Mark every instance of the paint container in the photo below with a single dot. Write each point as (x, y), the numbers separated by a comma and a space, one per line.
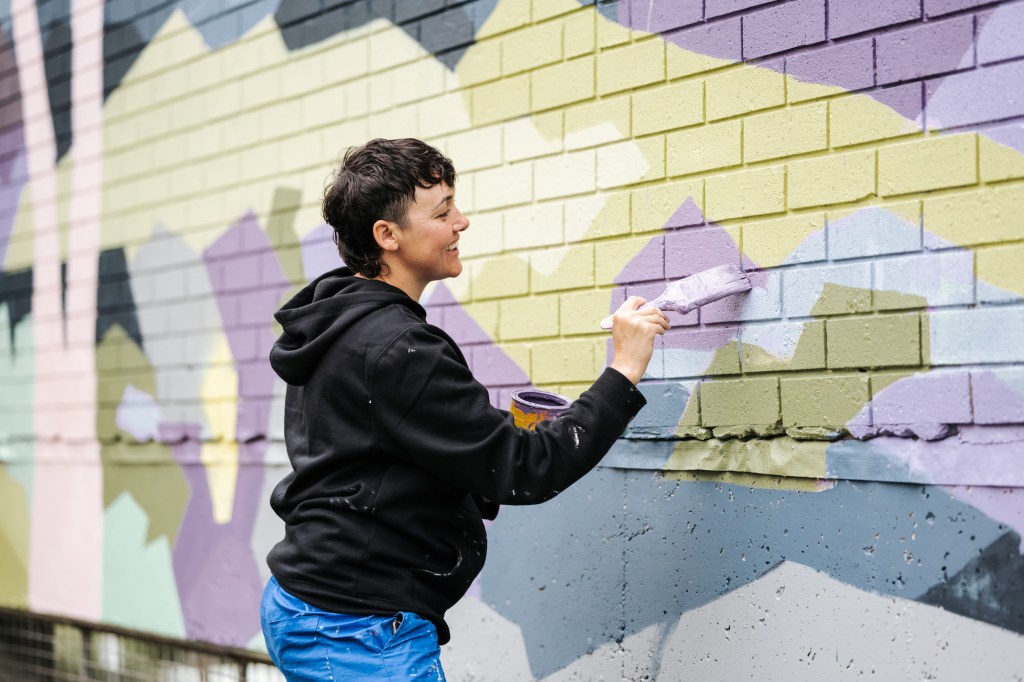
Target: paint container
(531, 406)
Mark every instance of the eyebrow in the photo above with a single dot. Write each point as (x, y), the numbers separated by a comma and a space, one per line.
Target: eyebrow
(442, 202)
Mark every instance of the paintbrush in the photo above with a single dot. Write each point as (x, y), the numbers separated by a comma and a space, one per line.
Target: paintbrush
(690, 293)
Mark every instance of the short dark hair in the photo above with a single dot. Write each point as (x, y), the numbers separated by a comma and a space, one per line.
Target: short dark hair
(378, 181)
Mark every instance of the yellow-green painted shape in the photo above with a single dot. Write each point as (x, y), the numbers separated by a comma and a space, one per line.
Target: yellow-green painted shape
(783, 456)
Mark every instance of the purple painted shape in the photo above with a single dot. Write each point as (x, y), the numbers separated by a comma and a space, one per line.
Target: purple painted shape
(1002, 35)
(319, 253)
(906, 100)
(691, 251)
(715, 8)
(13, 176)
(783, 27)
(846, 17)
(647, 265)
(848, 65)
(979, 96)
(656, 16)
(688, 214)
(458, 324)
(995, 400)
(720, 39)
(493, 368)
(704, 339)
(933, 48)
(216, 572)
(1011, 136)
(1004, 505)
(928, 398)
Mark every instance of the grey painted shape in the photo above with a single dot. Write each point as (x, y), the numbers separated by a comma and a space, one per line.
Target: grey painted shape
(55, 34)
(972, 591)
(224, 22)
(613, 566)
(16, 292)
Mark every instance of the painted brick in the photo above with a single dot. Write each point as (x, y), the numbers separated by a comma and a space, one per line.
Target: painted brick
(694, 250)
(980, 335)
(745, 193)
(999, 270)
(782, 346)
(924, 280)
(581, 311)
(934, 397)
(833, 179)
(658, 17)
(532, 226)
(827, 290)
(704, 48)
(563, 360)
(503, 186)
(504, 99)
(793, 239)
(976, 96)
(829, 402)
(926, 50)
(597, 216)
(710, 351)
(674, 106)
(596, 123)
(530, 48)
(856, 119)
(545, 9)
(638, 259)
(740, 402)
(997, 395)
(580, 34)
(704, 148)
(984, 216)
(783, 27)
(847, 17)
(674, 204)
(500, 277)
(743, 90)
(830, 69)
(934, 8)
(500, 366)
(999, 35)
(998, 155)
(666, 405)
(631, 66)
(878, 341)
(509, 18)
(560, 269)
(486, 66)
(762, 302)
(787, 132)
(475, 149)
(874, 231)
(524, 139)
(561, 84)
(716, 8)
(609, 32)
(566, 174)
(935, 162)
(627, 163)
(528, 318)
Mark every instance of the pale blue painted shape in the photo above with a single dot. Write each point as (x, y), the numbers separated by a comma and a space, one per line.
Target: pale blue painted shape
(871, 232)
(979, 335)
(803, 286)
(139, 588)
(943, 278)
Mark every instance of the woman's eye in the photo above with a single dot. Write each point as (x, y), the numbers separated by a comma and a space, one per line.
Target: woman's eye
(444, 215)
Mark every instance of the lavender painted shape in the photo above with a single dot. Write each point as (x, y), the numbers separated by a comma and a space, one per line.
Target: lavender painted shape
(926, 50)
(319, 254)
(847, 17)
(783, 27)
(924, 405)
(656, 16)
(850, 66)
(998, 395)
(13, 176)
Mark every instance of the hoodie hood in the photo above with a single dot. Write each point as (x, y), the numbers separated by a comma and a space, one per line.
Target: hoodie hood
(316, 316)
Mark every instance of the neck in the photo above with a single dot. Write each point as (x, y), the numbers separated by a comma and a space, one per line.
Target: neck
(413, 290)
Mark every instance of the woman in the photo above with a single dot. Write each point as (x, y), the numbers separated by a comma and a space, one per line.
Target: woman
(397, 454)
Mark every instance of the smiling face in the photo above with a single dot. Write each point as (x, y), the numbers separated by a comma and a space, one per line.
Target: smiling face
(425, 247)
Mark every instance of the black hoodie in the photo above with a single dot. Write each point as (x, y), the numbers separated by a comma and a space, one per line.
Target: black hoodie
(395, 447)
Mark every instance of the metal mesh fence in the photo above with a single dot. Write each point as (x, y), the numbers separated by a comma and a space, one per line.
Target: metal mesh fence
(40, 648)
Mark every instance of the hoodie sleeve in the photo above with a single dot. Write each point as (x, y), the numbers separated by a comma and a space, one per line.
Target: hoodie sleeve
(428, 409)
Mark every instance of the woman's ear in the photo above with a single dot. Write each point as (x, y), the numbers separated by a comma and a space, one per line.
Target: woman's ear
(384, 235)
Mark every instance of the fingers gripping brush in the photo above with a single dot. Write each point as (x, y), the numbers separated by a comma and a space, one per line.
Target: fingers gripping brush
(690, 293)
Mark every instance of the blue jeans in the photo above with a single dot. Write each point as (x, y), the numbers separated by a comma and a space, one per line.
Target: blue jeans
(309, 645)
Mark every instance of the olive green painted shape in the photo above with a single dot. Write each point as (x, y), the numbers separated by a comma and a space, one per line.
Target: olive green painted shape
(281, 233)
(147, 471)
(740, 402)
(726, 360)
(781, 456)
(824, 401)
(139, 589)
(837, 299)
(876, 341)
(884, 299)
(809, 353)
(14, 540)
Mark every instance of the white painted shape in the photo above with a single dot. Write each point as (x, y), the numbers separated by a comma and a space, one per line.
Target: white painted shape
(682, 363)
(591, 136)
(872, 231)
(484, 645)
(138, 414)
(779, 339)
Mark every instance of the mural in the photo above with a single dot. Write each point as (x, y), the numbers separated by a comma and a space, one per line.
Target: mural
(827, 475)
